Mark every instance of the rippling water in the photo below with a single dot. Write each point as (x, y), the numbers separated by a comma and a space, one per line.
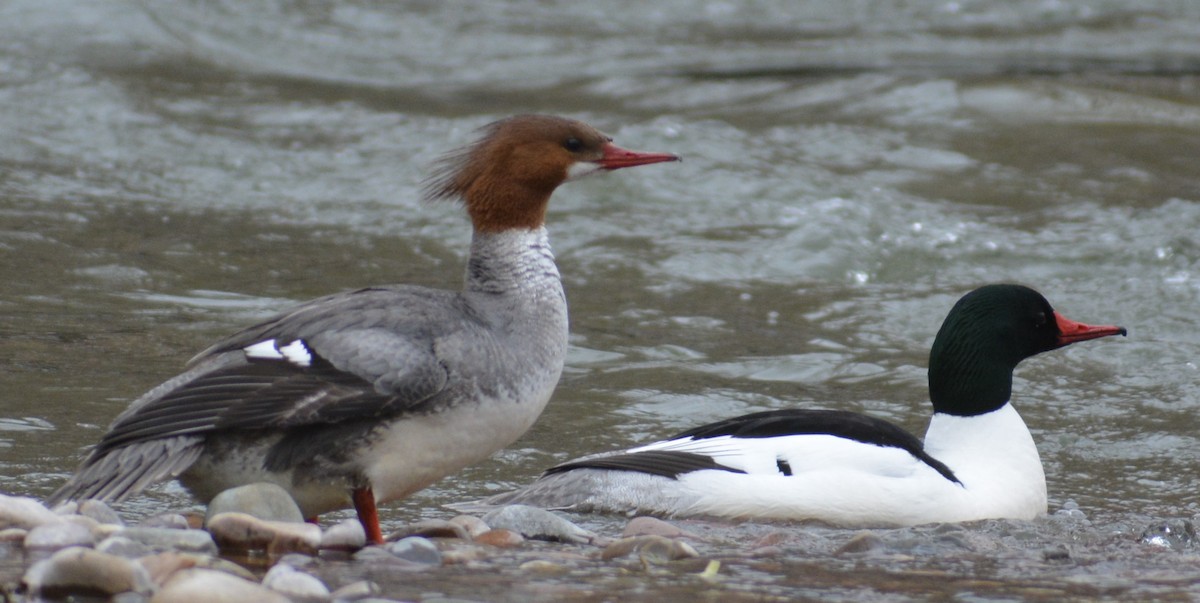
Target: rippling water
(170, 171)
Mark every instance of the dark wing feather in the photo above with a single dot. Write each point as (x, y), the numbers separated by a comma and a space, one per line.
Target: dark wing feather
(803, 421)
(666, 463)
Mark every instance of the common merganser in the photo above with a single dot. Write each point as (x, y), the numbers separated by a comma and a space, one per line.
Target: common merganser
(846, 469)
(367, 396)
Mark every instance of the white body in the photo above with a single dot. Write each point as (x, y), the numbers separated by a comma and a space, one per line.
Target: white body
(834, 480)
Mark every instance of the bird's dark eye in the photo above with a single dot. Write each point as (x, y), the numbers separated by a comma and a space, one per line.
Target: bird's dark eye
(573, 145)
(1039, 319)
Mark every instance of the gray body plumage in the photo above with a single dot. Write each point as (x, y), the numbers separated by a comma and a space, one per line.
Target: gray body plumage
(392, 387)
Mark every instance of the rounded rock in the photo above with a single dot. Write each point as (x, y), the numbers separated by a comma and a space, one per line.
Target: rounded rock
(263, 500)
(25, 513)
(473, 525)
(537, 524)
(210, 586)
(100, 512)
(170, 539)
(296, 585)
(654, 549)
(55, 536)
(82, 571)
(356, 591)
(500, 538)
(345, 535)
(416, 549)
(240, 532)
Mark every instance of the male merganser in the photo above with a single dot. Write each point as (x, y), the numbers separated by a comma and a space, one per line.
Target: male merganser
(978, 460)
(367, 396)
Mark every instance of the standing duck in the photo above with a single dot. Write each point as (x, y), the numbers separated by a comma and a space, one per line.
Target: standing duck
(846, 469)
(365, 397)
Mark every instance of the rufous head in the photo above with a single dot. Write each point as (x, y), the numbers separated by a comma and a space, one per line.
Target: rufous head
(506, 177)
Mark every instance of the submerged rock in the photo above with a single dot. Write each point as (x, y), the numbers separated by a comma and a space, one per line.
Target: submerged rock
(263, 500)
(168, 539)
(55, 536)
(416, 549)
(211, 586)
(296, 585)
(25, 513)
(537, 524)
(239, 532)
(347, 535)
(651, 549)
(85, 572)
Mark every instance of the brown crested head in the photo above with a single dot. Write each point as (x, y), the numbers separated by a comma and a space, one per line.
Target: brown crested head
(505, 178)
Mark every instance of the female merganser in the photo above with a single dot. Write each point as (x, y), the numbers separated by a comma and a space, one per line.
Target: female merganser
(846, 469)
(367, 396)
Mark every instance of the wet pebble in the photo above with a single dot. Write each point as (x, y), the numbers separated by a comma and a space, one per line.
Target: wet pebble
(83, 571)
(172, 521)
(210, 586)
(122, 546)
(100, 512)
(55, 536)
(13, 534)
(25, 513)
(500, 538)
(347, 535)
(473, 525)
(415, 549)
(652, 526)
(537, 524)
(296, 585)
(168, 539)
(861, 542)
(239, 532)
(432, 528)
(651, 549)
(355, 591)
(262, 500)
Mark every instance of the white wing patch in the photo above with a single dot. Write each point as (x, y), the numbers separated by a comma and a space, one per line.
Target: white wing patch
(295, 352)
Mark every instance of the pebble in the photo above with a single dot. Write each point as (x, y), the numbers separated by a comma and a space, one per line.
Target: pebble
(161, 566)
(172, 521)
(473, 525)
(210, 586)
(415, 549)
(432, 528)
(83, 571)
(55, 536)
(99, 511)
(652, 526)
(122, 546)
(651, 549)
(861, 542)
(168, 539)
(263, 500)
(537, 524)
(500, 538)
(296, 585)
(25, 513)
(346, 535)
(240, 532)
(356, 591)
(13, 534)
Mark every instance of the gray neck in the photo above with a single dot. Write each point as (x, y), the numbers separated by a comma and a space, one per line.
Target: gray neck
(511, 276)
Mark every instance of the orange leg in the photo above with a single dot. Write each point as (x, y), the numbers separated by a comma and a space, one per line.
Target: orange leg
(364, 504)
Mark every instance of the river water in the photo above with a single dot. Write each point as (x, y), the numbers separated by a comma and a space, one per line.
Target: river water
(173, 170)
